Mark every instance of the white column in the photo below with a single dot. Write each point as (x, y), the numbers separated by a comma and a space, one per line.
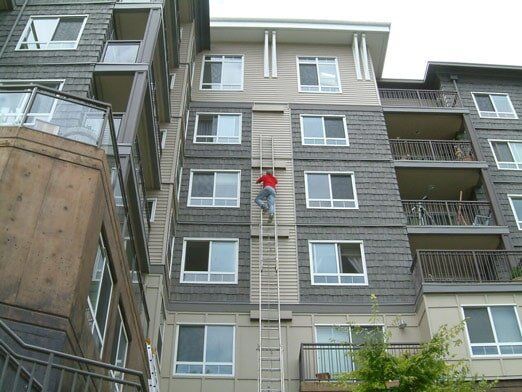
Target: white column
(266, 65)
(364, 54)
(274, 55)
(356, 59)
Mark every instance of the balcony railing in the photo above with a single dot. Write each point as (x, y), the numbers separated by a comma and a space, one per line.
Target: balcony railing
(51, 111)
(448, 213)
(323, 361)
(432, 150)
(419, 98)
(466, 266)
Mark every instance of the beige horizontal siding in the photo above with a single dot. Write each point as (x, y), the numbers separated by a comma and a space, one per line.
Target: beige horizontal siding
(168, 156)
(187, 43)
(284, 88)
(159, 226)
(179, 95)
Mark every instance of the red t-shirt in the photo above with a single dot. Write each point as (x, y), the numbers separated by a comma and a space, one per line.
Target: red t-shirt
(267, 180)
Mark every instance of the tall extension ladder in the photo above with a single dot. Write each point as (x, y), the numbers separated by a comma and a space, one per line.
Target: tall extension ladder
(271, 365)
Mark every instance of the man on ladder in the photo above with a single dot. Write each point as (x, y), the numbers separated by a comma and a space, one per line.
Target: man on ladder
(266, 197)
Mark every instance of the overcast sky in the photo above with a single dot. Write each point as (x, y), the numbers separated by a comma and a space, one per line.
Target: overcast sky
(479, 31)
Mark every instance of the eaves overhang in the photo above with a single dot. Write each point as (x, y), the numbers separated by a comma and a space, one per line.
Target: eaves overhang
(302, 31)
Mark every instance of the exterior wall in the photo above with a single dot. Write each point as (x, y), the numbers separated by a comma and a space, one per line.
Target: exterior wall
(57, 199)
(299, 330)
(446, 309)
(284, 88)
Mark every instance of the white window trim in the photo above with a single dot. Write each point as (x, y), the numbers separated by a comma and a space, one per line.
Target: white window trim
(172, 81)
(339, 274)
(519, 164)
(154, 201)
(95, 327)
(322, 116)
(163, 142)
(187, 113)
(496, 344)
(192, 171)
(218, 114)
(192, 72)
(352, 176)
(203, 61)
(32, 17)
(161, 332)
(318, 78)
(517, 218)
(122, 328)
(480, 113)
(203, 375)
(208, 273)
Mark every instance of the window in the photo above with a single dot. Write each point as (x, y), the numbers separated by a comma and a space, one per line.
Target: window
(52, 33)
(508, 154)
(324, 130)
(99, 299)
(161, 332)
(318, 74)
(179, 170)
(214, 189)
(493, 330)
(494, 105)
(330, 190)
(163, 143)
(516, 205)
(205, 349)
(151, 209)
(120, 346)
(209, 261)
(222, 73)
(172, 81)
(337, 263)
(218, 128)
(170, 244)
(123, 52)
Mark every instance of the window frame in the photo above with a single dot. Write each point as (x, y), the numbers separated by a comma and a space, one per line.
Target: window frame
(518, 219)
(123, 328)
(163, 138)
(154, 201)
(194, 139)
(496, 116)
(338, 274)
(204, 60)
(205, 239)
(338, 74)
(492, 326)
(322, 116)
(189, 198)
(175, 361)
(352, 176)
(518, 164)
(33, 17)
(95, 328)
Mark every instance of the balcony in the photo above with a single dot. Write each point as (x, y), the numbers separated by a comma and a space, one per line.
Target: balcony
(432, 150)
(448, 213)
(323, 361)
(420, 99)
(467, 266)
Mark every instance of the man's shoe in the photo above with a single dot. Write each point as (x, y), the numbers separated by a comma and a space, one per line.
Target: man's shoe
(270, 218)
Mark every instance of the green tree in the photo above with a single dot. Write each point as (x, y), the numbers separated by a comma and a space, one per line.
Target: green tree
(424, 370)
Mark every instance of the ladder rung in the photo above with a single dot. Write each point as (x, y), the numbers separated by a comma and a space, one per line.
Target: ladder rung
(271, 379)
(271, 369)
(271, 348)
(272, 359)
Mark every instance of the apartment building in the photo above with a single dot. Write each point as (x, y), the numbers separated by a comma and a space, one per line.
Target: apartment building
(402, 190)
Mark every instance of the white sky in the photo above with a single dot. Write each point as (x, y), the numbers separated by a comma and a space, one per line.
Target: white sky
(478, 31)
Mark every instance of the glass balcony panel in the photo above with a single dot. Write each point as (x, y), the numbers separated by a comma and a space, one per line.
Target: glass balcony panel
(121, 52)
(12, 107)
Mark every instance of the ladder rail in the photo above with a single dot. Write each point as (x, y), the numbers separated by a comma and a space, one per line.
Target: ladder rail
(260, 268)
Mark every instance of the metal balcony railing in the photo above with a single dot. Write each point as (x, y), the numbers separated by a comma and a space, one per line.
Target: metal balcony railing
(466, 266)
(448, 213)
(323, 361)
(25, 367)
(55, 112)
(432, 150)
(419, 98)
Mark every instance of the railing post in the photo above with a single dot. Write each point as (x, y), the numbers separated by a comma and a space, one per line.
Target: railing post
(29, 104)
(432, 150)
(419, 97)
(450, 220)
(47, 375)
(475, 263)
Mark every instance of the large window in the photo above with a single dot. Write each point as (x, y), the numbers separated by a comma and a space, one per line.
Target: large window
(99, 299)
(318, 74)
(508, 154)
(324, 130)
(209, 261)
(494, 105)
(205, 349)
(330, 190)
(120, 346)
(493, 330)
(52, 32)
(337, 263)
(516, 205)
(218, 128)
(214, 188)
(222, 73)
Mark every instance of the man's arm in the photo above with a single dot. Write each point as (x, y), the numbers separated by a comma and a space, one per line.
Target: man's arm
(260, 179)
(277, 182)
